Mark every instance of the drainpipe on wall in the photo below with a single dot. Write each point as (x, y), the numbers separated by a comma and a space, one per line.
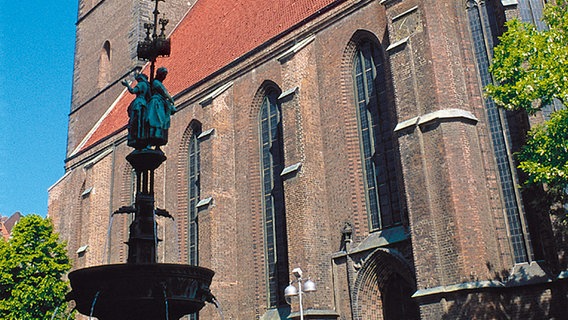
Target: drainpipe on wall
(109, 240)
(347, 233)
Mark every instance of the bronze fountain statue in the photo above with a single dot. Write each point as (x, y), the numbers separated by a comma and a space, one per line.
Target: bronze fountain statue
(149, 113)
(144, 289)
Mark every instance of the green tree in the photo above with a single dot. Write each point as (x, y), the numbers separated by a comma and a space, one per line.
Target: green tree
(32, 264)
(530, 66)
(545, 154)
(530, 69)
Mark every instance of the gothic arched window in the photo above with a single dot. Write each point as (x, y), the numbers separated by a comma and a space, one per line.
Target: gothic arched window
(376, 138)
(272, 164)
(104, 65)
(193, 193)
(193, 197)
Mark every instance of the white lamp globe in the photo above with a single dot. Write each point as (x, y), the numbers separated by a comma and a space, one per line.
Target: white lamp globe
(309, 286)
(290, 291)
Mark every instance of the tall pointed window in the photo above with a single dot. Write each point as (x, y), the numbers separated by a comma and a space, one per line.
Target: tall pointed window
(531, 11)
(104, 65)
(376, 138)
(194, 189)
(272, 164)
(483, 27)
(193, 197)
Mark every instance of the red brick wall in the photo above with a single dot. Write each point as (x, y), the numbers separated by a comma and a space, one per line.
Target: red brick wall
(447, 175)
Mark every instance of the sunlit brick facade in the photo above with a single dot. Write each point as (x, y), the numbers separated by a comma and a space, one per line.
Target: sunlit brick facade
(348, 138)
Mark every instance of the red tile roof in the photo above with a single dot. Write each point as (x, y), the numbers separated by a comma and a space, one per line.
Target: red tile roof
(4, 231)
(7, 224)
(212, 35)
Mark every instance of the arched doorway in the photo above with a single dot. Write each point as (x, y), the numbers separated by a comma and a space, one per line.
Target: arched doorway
(384, 287)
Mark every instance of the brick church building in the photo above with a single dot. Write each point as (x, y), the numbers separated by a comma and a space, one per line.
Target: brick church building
(349, 138)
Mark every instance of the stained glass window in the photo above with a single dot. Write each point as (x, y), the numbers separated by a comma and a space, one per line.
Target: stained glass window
(193, 193)
(482, 22)
(272, 164)
(376, 138)
(193, 197)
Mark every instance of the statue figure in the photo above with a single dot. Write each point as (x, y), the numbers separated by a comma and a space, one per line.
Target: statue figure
(160, 108)
(137, 135)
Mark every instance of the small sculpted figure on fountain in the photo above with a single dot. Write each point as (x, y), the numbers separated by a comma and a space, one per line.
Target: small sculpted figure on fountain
(149, 113)
(137, 131)
(160, 108)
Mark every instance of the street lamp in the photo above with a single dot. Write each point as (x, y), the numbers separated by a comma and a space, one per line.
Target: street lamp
(304, 286)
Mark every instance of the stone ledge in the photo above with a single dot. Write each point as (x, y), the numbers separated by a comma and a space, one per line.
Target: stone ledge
(523, 274)
(527, 274)
(59, 180)
(398, 43)
(316, 314)
(276, 314)
(382, 238)
(445, 114)
(98, 158)
(378, 239)
(288, 92)
(458, 287)
(291, 169)
(509, 2)
(295, 48)
(405, 13)
(206, 134)
(217, 92)
(204, 203)
(82, 249)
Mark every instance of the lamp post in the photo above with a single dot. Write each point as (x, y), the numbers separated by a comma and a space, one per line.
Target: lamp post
(304, 286)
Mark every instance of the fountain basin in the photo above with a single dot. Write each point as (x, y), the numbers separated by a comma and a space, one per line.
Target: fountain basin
(140, 291)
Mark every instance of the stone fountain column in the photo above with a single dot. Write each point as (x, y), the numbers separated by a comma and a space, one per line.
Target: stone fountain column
(143, 289)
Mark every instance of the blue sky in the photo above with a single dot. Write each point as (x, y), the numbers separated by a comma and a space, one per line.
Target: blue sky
(37, 43)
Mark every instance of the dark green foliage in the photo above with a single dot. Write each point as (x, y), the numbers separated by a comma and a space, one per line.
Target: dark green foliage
(530, 68)
(545, 155)
(32, 264)
(545, 159)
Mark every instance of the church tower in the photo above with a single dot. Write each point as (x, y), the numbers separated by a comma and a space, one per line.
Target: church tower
(105, 53)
